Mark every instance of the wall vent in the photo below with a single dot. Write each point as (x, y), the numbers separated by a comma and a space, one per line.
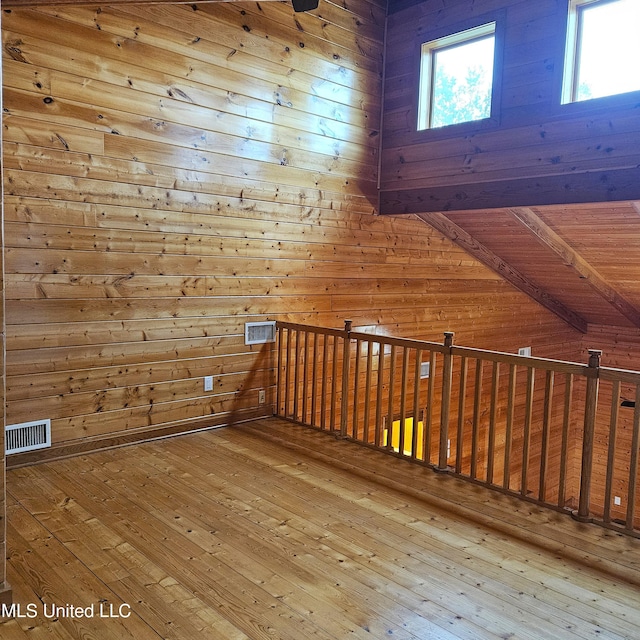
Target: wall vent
(259, 332)
(27, 436)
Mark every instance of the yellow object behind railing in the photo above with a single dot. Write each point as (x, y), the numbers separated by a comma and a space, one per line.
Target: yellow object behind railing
(408, 434)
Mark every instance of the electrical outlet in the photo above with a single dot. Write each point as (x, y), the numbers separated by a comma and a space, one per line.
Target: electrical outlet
(617, 501)
(425, 369)
(208, 383)
(449, 448)
(262, 396)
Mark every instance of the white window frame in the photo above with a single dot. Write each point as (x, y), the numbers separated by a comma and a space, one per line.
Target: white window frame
(572, 48)
(425, 97)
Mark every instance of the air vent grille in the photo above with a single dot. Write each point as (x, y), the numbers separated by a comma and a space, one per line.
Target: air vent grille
(259, 332)
(27, 436)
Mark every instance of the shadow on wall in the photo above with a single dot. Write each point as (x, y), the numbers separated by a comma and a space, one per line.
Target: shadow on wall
(248, 403)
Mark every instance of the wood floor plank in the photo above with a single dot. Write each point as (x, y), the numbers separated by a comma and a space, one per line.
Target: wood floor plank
(214, 461)
(608, 550)
(179, 510)
(248, 542)
(57, 579)
(203, 573)
(269, 530)
(464, 541)
(444, 591)
(164, 603)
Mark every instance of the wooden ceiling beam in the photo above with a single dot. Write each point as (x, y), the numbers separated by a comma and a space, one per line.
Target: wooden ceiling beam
(550, 239)
(479, 251)
(23, 4)
(616, 185)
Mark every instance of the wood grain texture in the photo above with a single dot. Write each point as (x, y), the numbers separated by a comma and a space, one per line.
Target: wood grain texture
(5, 591)
(535, 151)
(596, 238)
(509, 273)
(314, 538)
(572, 258)
(174, 171)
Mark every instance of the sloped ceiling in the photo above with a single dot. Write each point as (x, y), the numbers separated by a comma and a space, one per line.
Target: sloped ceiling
(580, 261)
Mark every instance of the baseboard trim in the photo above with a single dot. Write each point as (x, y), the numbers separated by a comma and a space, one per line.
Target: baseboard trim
(126, 438)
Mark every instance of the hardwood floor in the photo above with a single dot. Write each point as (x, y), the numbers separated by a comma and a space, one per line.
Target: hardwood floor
(268, 530)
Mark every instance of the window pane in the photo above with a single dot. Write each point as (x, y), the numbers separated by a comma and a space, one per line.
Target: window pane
(462, 81)
(609, 49)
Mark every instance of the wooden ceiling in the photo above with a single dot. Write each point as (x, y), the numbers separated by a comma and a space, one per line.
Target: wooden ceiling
(580, 261)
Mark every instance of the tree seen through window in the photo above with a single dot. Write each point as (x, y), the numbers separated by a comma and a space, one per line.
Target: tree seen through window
(457, 78)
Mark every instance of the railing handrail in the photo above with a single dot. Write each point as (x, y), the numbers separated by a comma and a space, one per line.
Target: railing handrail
(549, 364)
(310, 328)
(621, 375)
(559, 366)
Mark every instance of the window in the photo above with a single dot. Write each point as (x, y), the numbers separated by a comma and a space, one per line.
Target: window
(603, 49)
(456, 78)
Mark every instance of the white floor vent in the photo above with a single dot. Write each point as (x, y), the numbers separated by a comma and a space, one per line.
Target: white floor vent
(27, 436)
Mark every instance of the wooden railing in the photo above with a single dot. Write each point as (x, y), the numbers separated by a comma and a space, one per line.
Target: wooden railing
(560, 434)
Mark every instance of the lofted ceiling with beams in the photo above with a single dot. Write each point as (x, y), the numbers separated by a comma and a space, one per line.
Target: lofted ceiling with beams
(580, 261)
(544, 192)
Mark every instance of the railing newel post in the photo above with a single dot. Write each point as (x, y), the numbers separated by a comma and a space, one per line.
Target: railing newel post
(346, 360)
(447, 379)
(591, 405)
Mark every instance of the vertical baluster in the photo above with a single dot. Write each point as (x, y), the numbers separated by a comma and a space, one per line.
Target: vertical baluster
(491, 452)
(368, 390)
(280, 377)
(392, 375)
(591, 405)
(526, 437)
(356, 391)
(416, 407)
(403, 398)
(462, 400)
(287, 387)
(334, 385)
(564, 447)
(633, 464)
(546, 426)
(447, 379)
(314, 381)
(325, 367)
(379, 389)
(346, 362)
(428, 411)
(305, 377)
(475, 431)
(611, 452)
(296, 375)
(508, 434)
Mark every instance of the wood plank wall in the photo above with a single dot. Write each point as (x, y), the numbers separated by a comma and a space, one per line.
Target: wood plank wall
(534, 152)
(4, 593)
(175, 171)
